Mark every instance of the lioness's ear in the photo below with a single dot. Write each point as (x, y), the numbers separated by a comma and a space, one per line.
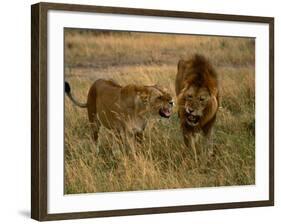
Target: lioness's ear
(143, 96)
(165, 90)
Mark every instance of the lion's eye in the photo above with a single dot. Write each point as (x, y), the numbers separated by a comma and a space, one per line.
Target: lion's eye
(189, 96)
(202, 98)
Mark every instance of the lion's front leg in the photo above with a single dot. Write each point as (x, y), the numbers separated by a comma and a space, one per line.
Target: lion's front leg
(208, 144)
(190, 140)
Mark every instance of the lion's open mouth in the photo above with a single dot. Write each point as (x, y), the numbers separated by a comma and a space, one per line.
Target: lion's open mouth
(192, 120)
(165, 112)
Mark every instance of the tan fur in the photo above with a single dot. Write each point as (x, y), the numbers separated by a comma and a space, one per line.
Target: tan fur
(198, 97)
(125, 109)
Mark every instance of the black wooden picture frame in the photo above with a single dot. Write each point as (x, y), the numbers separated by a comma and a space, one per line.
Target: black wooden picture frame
(39, 106)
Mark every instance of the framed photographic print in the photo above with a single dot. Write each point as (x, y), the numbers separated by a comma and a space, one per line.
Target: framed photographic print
(138, 111)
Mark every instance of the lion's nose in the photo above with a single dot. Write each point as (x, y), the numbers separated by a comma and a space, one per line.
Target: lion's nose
(189, 110)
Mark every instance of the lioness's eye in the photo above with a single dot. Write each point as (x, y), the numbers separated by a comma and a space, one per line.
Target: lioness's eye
(159, 97)
(189, 96)
(144, 99)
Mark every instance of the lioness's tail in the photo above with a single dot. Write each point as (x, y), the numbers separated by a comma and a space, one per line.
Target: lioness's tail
(68, 93)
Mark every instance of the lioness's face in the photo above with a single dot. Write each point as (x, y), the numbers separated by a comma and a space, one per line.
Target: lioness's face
(196, 100)
(161, 103)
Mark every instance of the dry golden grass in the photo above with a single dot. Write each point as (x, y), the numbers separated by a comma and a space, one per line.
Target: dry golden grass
(162, 161)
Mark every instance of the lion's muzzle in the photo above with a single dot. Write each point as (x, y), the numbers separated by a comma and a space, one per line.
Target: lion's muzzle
(191, 119)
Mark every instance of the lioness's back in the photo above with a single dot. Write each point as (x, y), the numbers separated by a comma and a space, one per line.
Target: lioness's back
(103, 99)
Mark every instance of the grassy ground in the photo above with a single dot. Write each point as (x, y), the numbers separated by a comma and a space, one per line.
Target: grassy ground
(163, 161)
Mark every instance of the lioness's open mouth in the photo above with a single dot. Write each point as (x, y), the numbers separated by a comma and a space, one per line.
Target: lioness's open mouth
(192, 120)
(164, 112)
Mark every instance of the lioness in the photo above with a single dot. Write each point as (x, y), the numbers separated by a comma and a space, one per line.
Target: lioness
(198, 98)
(124, 109)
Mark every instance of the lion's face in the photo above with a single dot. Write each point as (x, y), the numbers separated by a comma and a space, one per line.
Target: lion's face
(160, 102)
(194, 101)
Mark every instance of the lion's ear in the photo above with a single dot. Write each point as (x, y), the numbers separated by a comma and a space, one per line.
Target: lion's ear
(182, 65)
(186, 86)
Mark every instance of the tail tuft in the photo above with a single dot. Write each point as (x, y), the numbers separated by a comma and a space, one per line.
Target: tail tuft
(68, 93)
(66, 87)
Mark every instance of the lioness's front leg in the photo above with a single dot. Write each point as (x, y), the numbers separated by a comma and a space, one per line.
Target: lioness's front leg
(127, 138)
(130, 142)
(139, 136)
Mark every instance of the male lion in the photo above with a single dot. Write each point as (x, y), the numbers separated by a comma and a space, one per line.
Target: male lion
(124, 109)
(198, 98)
